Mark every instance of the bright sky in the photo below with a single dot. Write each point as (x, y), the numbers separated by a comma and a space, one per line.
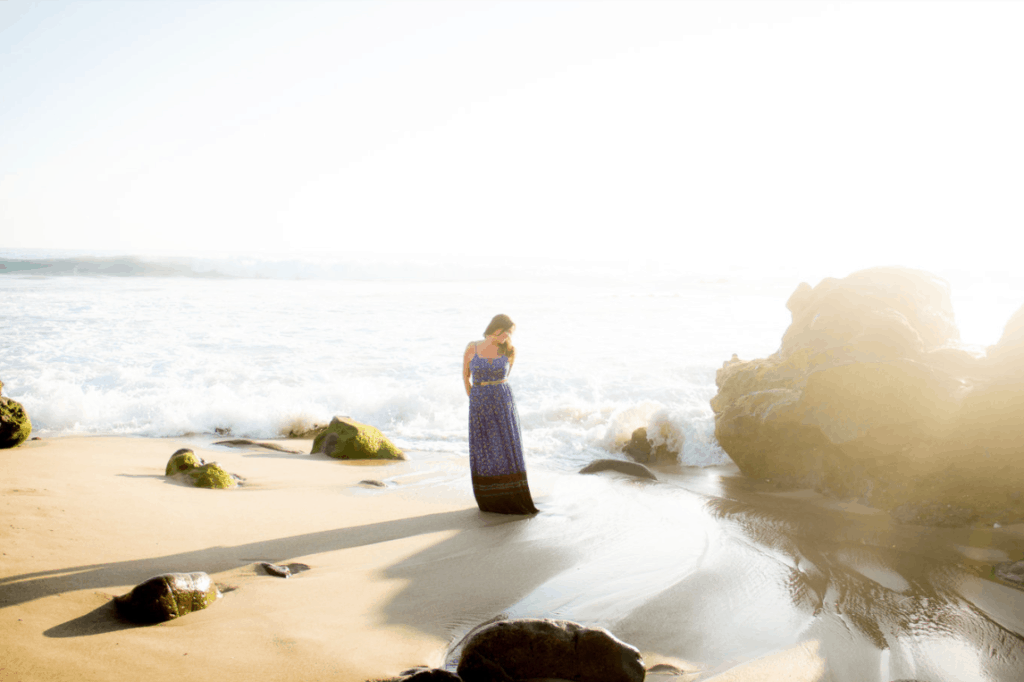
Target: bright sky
(847, 134)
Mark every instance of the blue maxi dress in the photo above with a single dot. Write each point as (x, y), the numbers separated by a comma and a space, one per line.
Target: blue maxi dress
(495, 441)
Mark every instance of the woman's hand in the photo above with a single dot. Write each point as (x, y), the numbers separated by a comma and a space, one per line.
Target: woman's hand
(466, 374)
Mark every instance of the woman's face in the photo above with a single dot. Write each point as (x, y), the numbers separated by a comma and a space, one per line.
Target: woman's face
(502, 335)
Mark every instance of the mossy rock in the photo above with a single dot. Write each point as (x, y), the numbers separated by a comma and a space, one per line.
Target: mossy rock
(352, 440)
(167, 596)
(15, 426)
(182, 460)
(211, 476)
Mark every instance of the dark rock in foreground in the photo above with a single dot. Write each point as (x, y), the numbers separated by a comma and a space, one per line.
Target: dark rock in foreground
(15, 426)
(345, 438)
(429, 675)
(167, 596)
(628, 468)
(643, 450)
(870, 397)
(541, 648)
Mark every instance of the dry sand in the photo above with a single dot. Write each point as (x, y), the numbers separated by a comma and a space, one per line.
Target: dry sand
(86, 519)
(398, 574)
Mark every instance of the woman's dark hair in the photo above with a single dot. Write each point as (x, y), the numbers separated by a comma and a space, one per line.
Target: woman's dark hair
(501, 323)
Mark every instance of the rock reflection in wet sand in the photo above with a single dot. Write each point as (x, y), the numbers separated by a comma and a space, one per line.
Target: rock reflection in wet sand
(928, 611)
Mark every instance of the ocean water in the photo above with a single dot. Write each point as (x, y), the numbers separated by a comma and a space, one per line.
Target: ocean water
(255, 346)
(119, 346)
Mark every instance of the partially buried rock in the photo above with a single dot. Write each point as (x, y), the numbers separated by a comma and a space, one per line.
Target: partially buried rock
(665, 669)
(211, 476)
(628, 468)
(542, 648)
(246, 443)
(182, 460)
(15, 425)
(283, 570)
(167, 596)
(353, 440)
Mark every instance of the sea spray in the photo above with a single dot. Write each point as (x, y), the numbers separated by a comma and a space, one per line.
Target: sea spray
(170, 355)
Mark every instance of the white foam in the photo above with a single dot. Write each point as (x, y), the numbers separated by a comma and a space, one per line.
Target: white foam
(171, 356)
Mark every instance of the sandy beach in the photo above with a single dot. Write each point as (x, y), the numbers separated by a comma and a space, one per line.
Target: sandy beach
(85, 519)
(398, 574)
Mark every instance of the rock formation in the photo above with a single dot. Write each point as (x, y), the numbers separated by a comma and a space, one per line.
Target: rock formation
(345, 438)
(167, 596)
(541, 648)
(643, 450)
(15, 426)
(870, 397)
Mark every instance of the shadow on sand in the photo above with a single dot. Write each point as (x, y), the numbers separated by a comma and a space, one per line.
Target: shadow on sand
(446, 557)
(99, 621)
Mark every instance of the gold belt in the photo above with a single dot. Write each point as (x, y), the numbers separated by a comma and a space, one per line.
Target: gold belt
(489, 383)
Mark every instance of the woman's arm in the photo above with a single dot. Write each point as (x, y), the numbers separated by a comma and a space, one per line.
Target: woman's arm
(466, 357)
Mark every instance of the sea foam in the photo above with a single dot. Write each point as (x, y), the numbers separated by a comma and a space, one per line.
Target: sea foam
(168, 355)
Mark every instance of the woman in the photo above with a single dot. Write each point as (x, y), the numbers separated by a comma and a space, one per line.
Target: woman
(495, 442)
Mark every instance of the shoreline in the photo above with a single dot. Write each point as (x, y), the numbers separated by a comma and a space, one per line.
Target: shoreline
(697, 571)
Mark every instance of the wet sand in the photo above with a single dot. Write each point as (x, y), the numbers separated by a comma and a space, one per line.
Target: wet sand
(721, 578)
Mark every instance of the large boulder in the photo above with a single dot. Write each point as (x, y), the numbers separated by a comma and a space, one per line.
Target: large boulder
(345, 438)
(542, 648)
(15, 426)
(870, 396)
(167, 596)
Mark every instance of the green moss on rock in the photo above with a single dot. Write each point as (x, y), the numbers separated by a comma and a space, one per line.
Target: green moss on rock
(353, 440)
(15, 426)
(182, 460)
(167, 596)
(211, 476)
